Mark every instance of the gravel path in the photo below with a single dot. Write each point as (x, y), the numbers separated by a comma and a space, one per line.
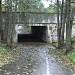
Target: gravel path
(35, 59)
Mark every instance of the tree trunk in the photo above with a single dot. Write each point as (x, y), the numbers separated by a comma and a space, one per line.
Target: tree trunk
(63, 25)
(6, 26)
(72, 18)
(0, 20)
(59, 28)
(68, 28)
(62, 6)
(9, 37)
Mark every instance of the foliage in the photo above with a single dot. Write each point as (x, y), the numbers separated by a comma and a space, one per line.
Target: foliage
(73, 39)
(29, 6)
(50, 9)
(3, 8)
(7, 54)
(25, 5)
(72, 5)
(2, 50)
(55, 44)
(71, 55)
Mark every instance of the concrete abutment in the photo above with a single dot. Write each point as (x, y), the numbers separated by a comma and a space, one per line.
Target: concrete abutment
(38, 34)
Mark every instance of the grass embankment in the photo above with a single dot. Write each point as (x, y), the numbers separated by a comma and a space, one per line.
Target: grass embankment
(71, 54)
(6, 55)
(68, 59)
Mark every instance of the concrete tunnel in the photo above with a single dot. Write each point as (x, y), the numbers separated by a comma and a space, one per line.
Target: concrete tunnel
(38, 34)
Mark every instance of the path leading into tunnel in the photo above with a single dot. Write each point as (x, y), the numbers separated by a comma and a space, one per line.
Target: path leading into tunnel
(35, 59)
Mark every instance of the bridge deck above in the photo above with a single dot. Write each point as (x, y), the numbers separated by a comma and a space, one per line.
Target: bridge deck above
(32, 18)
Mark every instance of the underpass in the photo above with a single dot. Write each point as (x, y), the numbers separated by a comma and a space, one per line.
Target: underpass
(36, 34)
(33, 58)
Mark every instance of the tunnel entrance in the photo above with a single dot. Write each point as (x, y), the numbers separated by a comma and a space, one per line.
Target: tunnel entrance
(32, 34)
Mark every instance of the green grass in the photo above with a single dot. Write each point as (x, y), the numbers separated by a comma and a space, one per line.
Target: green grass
(3, 50)
(73, 39)
(55, 44)
(71, 55)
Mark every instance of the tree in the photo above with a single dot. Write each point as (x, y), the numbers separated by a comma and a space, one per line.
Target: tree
(10, 24)
(0, 20)
(68, 27)
(59, 27)
(63, 18)
(29, 5)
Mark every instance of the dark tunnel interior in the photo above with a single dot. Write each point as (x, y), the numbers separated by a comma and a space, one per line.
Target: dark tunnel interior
(37, 35)
(28, 38)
